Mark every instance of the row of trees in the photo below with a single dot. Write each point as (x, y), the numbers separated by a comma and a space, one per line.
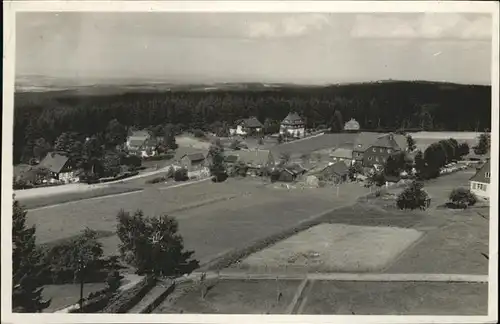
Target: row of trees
(150, 244)
(375, 106)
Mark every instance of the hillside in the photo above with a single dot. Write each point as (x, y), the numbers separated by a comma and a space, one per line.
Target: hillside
(378, 105)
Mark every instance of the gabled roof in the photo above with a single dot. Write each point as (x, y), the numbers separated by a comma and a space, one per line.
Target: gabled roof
(195, 157)
(351, 125)
(140, 133)
(293, 118)
(342, 153)
(364, 140)
(54, 162)
(252, 157)
(339, 168)
(401, 141)
(480, 175)
(387, 141)
(251, 122)
(295, 169)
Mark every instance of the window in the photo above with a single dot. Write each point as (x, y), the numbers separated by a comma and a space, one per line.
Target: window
(474, 185)
(487, 175)
(370, 158)
(376, 158)
(389, 151)
(374, 149)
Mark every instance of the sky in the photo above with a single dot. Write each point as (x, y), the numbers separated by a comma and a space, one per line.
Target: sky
(305, 48)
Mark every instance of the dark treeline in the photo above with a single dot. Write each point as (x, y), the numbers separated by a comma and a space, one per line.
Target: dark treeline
(376, 106)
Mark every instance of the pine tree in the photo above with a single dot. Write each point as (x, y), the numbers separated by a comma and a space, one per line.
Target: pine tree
(28, 268)
(483, 146)
(169, 137)
(410, 143)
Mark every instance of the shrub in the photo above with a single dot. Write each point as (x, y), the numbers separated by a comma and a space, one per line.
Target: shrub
(181, 175)
(153, 245)
(198, 133)
(113, 281)
(462, 198)
(66, 259)
(28, 268)
(413, 197)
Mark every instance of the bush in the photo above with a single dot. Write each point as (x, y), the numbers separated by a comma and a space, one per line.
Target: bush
(66, 259)
(413, 197)
(181, 175)
(156, 180)
(462, 198)
(198, 133)
(153, 245)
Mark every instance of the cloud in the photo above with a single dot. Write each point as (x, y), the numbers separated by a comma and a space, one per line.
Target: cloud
(289, 26)
(428, 25)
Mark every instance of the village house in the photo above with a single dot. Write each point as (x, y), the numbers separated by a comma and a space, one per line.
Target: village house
(59, 166)
(290, 173)
(336, 172)
(247, 126)
(293, 125)
(342, 154)
(255, 160)
(351, 126)
(142, 143)
(365, 140)
(379, 151)
(480, 182)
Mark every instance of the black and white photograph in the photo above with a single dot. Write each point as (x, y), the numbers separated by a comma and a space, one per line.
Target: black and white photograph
(253, 162)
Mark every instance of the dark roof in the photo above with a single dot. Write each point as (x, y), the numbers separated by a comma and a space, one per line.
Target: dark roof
(480, 175)
(251, 122)
(341, 152)
(54, 162)
(387, 141)
(292, 118)
(295, 169)
(339, 168)
(195, 157)
(253, 157)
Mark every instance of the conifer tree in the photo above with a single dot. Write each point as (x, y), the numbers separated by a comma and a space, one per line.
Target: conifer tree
(28, 269)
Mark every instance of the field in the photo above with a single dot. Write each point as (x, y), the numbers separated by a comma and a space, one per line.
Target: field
(213, 218)
(396, 298)
(335, 248)
(236, 297)
(374, 235)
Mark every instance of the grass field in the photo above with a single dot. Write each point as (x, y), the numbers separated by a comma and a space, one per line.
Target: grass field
(453, 240)
(396, 298)
(236, 297)
(66, 295)
(335, 248)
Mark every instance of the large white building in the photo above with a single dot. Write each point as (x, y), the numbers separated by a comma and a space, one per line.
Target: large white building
(480, 182)
(293, 125)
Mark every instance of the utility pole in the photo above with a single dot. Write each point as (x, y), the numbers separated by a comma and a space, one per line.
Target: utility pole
(81, 267)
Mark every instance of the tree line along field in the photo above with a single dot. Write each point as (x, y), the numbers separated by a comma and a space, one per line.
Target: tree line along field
(377, 106)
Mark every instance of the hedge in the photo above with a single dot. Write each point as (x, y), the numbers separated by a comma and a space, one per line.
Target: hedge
(127, 299)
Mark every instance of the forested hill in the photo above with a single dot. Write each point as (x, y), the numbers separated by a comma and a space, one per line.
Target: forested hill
(379, 105)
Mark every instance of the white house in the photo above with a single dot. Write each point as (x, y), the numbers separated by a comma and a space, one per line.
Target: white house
(247, 126)
(480, 182)
(293, 125)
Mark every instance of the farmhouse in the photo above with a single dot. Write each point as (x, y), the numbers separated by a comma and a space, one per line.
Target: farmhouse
(247, 126)
(378, 153)
(142, 143)
(194, 161)
(59, 166)
(253, 159)
(352, 126)
(290, 173)
(342, 154)
(293, 125)
(336, 172)
(480, 182)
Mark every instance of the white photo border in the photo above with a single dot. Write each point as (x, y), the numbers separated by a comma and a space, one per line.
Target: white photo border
(10, 9)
